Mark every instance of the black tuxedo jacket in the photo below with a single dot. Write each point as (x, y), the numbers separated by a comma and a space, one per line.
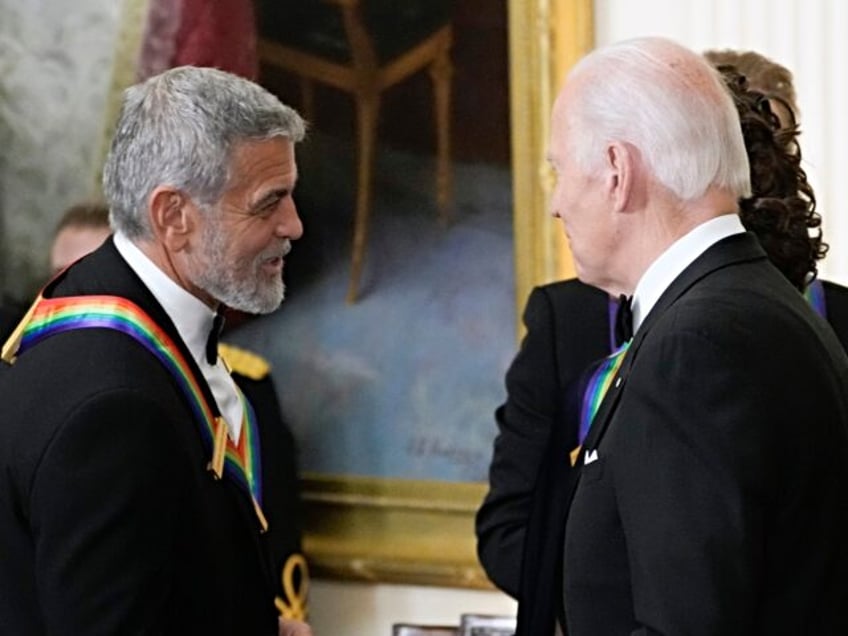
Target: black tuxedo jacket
(712, 494)
(110, 521)
(521, 523)
(10, 315)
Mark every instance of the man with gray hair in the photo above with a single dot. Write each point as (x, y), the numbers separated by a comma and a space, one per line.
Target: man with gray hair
(709, 495)
(138, 493)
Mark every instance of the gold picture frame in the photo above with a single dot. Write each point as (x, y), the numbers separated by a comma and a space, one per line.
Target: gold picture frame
(422, 532)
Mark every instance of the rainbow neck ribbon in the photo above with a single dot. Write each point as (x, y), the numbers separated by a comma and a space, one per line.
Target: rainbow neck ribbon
(596, 388)
(241, 463)
(814, 293)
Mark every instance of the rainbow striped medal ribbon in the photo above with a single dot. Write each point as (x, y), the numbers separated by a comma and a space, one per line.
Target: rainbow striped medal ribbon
(814, 295)
(596, 388)
(240, 462)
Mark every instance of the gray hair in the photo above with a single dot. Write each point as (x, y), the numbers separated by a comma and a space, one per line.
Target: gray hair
(179, 128)
(670, 104)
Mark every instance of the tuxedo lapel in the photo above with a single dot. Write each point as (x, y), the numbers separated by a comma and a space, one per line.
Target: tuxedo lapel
(733, 249)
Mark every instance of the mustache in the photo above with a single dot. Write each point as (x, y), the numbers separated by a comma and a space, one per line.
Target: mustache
(278, 251)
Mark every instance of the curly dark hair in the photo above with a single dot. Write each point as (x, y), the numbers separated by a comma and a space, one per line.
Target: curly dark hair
(782, 209)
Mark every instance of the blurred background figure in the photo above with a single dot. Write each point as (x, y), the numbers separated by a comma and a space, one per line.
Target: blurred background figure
(82, 229)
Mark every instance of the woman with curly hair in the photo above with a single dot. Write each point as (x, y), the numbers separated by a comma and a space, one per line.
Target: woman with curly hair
(570, 326)
(782, 210)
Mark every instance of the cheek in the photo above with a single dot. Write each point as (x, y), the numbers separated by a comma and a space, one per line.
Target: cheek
(246, 243)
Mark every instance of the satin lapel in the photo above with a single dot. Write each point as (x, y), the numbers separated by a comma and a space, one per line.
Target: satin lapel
(731, 250)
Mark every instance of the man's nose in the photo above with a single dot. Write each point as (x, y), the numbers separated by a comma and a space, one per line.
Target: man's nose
(290, 226)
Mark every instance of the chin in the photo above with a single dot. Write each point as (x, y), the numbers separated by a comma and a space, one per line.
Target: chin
(270, 300)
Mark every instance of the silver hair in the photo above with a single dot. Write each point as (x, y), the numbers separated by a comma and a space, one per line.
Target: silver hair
(669, 103)
(180, 128)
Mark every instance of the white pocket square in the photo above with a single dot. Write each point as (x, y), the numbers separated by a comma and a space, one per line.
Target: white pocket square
(590, 456)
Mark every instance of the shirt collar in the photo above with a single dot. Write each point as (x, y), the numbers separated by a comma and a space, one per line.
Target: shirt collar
(191, 316)
(676, 258)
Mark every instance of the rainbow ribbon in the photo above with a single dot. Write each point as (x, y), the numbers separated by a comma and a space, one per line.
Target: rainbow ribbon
(241, 463)
(814, 294)
(596, 388)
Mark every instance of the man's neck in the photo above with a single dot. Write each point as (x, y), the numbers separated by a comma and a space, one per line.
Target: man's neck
(168, 263)
(665, 220)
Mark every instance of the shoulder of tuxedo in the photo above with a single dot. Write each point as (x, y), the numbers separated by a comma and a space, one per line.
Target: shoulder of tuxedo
(244, 362)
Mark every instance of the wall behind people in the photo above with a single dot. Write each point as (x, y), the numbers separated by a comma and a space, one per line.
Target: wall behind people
(809, 38)
(56, 69)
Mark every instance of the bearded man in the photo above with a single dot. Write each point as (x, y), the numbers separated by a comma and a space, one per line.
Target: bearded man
(138, 494)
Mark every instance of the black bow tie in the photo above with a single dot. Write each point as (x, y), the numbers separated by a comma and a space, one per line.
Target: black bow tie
(623, 320)
(214, 333)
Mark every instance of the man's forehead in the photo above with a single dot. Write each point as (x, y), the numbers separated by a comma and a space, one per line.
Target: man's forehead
(561, 110)
(568, 94)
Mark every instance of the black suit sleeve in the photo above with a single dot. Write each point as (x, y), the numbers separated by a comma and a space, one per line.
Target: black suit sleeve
(533, 407)
(104, 502)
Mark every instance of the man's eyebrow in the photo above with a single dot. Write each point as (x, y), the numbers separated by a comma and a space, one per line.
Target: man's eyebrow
(273, 195)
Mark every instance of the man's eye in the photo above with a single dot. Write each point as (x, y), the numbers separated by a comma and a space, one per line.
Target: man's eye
(268, 208)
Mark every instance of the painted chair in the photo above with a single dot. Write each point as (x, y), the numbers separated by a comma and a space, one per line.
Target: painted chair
(364, 47)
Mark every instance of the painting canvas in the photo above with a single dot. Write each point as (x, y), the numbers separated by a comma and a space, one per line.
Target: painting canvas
(401, 383)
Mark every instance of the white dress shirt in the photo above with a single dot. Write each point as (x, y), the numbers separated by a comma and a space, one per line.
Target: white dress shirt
(676, 258)
(193, 320)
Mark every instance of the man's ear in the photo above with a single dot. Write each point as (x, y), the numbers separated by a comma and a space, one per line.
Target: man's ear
(172, 217)
(622, 166)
